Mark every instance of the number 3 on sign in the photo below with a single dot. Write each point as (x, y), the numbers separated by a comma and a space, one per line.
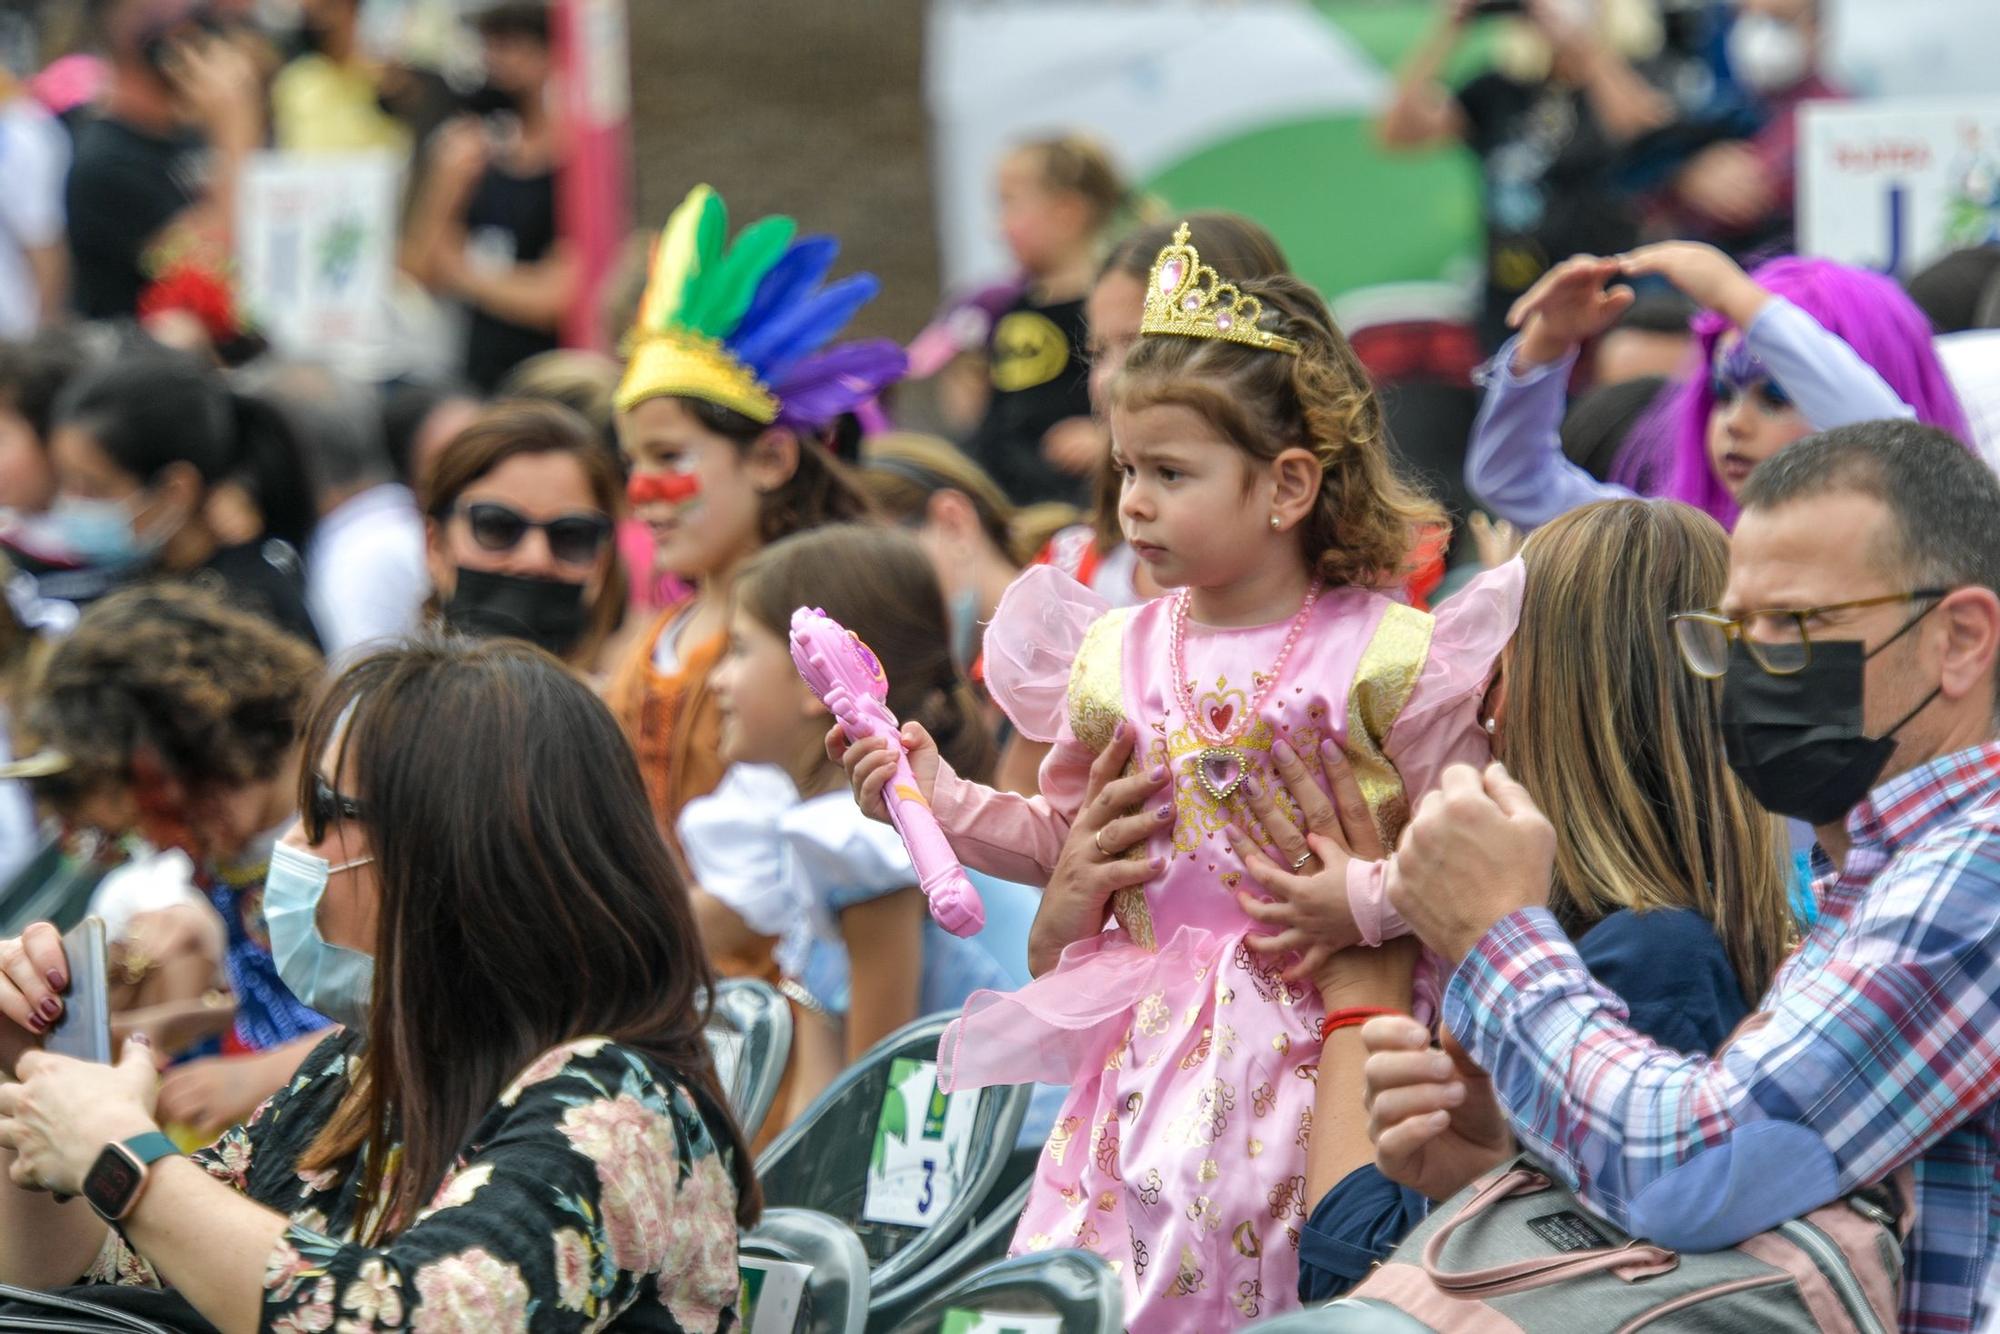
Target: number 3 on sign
(923, 1139)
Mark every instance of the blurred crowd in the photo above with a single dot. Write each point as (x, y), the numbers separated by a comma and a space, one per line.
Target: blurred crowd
(431, 747)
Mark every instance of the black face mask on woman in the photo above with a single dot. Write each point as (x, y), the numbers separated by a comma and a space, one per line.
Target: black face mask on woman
(548, 613)
(1798, 741)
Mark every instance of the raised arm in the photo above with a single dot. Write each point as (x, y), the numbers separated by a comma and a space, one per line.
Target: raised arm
(1514, 462)
(1827, 380)
(1422, 112)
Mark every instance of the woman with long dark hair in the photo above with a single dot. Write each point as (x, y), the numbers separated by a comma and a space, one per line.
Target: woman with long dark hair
(521, 1118)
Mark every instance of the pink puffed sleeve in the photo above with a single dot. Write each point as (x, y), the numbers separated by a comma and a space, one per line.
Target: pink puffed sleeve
(1031, 644)
(1439, 724)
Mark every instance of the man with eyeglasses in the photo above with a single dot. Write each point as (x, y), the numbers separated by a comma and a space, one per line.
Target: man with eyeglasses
(1855, 653)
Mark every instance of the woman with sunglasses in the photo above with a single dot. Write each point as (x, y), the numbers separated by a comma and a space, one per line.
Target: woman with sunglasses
(1798, 346)
(519, 511)
(520, 1125)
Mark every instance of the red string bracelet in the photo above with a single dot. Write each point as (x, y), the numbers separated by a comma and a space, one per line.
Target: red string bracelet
(1352, 1018)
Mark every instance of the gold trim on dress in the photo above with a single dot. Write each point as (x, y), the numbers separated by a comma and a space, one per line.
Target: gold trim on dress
(1096, 707)
(1383, 681)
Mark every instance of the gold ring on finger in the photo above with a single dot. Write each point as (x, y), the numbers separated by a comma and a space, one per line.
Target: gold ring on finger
(1097, 841)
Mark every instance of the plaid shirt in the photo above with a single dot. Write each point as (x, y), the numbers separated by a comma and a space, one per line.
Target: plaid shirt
(1878, 1045)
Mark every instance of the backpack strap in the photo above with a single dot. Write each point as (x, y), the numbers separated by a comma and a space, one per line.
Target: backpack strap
(1633, 1260)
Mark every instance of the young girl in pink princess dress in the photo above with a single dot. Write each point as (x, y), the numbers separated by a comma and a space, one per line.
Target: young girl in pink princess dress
(1258, 487)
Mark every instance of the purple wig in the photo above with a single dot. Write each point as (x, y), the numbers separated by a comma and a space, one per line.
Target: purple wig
(1668, 454)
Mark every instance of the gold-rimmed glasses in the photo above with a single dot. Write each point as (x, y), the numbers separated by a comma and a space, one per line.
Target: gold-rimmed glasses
(1777, 639)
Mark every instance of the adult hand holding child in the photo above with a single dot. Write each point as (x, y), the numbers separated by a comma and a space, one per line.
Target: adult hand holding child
(1308, 910)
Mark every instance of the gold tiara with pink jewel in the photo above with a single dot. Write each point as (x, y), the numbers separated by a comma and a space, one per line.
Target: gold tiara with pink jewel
(1188, 298)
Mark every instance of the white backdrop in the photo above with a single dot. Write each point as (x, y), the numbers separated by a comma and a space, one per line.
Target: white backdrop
(1896, 184)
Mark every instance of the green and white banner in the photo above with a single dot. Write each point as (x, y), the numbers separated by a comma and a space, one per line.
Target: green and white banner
(1261, 106)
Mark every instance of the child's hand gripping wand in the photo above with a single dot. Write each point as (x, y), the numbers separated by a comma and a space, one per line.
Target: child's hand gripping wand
(848, 679)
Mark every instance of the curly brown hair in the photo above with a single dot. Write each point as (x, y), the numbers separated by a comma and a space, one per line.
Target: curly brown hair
(215, 695)
(1369, 519)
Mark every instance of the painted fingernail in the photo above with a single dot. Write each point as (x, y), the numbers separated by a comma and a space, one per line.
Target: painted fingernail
(1164, 813)
(142, 1039)
(51, 1008)
(36, 1024)
(56, 979)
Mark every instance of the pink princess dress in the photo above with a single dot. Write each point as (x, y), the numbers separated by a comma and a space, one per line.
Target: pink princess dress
(1180, 1153)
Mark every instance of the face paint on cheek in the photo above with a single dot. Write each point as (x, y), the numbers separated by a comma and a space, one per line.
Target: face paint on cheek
(682, 490)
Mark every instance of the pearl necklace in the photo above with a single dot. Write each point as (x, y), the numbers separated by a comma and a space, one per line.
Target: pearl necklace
(1219, 766)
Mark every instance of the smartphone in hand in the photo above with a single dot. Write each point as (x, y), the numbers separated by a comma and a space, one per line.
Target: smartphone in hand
(84, 1029)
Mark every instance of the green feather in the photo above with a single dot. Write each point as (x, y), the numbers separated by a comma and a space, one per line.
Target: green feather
(727, 288)
(679, 258)
(711, 234)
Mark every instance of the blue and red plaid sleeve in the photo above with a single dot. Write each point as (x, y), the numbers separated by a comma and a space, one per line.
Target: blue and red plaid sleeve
(1883, 1048)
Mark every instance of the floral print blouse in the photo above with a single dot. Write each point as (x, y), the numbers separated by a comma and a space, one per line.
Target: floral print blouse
(592, 1194)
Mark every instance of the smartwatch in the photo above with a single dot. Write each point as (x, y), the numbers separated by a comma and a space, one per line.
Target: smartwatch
(116, 1179)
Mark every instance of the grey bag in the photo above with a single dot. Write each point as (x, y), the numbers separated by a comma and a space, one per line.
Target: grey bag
(1517, 1251)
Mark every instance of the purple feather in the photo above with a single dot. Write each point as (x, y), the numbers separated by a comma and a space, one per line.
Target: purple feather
(796, 334)
(838, 380)
(796, 273)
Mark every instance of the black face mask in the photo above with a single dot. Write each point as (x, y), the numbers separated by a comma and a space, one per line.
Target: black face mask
(1797, 741)
(548, 613)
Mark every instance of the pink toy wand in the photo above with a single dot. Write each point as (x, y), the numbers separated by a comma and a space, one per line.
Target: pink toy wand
(848, 679)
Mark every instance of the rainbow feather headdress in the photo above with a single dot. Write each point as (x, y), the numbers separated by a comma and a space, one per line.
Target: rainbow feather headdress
(747, 327)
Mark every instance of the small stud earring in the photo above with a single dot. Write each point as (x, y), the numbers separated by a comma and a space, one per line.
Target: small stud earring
(1275, 522)
(1492, 727)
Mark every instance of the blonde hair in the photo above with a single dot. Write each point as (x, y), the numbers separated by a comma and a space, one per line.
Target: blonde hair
(584, 382)
(1368, 519)
(1081, 165)
(901, 470)
(1628, 756)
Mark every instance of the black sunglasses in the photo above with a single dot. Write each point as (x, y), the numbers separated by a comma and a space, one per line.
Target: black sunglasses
(574, 539)
(329, 807)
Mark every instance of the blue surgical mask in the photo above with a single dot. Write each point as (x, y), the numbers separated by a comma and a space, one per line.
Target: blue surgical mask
(963, 616)
(332, 979)
(97, 532)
